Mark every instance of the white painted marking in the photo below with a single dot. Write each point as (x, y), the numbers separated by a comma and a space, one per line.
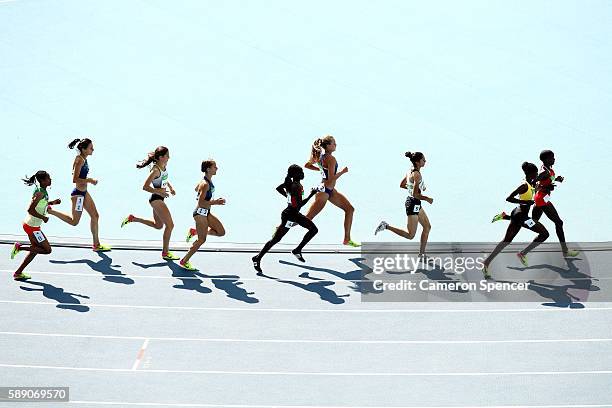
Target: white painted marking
(215, 340)
(255, 309)
(313, 373)
(240, 279)
(140, 355)
(201, 278)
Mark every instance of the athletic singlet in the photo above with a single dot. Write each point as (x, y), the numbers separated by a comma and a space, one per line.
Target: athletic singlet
(410, 184)
(84, 170)
(211, 190)
(547, 181)
(528, 195)
(295, 199)
(162, 180)
(40, 208)
(324, 171)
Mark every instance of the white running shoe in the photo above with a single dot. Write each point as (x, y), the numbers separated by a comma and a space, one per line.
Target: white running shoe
(381, 227)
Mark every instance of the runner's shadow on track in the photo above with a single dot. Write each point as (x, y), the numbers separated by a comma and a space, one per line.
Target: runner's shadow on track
(104, 266)
(230, 284)
(65, 300)
(357, 277)
(318, 286)
(560, 294)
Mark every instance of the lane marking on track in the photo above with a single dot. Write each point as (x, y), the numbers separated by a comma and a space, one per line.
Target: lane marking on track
(313, 373)
(306, 341)
(140, 354)
(285, 310)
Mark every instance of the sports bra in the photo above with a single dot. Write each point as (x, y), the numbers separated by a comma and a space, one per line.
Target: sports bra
(324, 171)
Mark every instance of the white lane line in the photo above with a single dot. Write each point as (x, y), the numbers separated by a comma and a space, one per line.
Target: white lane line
(238, 309)
(312, 373)
(7, 1)
(305, 341)
(94, 274)
(140, 355)
(161, 404)
(239, 279)
(200, 278)
(284, 310)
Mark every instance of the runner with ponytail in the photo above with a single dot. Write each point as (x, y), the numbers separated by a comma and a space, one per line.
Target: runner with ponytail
(37, 214)
(81, 198)
(413, 182)
(160, 188)
(322, 159)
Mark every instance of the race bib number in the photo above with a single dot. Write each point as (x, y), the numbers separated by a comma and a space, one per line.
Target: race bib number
(323, 176)
(529, 223)
(321, 188)
(40, 237)
(79, 203)
(417, 208)
(290, 224)
(202, 211)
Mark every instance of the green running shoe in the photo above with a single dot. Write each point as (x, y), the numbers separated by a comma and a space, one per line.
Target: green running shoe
(486, 272)
(127, 220)
(188, 266)
(499, 217)
(352, 243)
(523, 258)
(21, 277)
(190, 234)
(15, 250)
(169, 256)
(102, 248)
(571, 253)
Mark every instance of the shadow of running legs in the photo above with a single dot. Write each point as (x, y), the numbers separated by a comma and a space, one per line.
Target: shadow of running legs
(65, 300)
(104, 266)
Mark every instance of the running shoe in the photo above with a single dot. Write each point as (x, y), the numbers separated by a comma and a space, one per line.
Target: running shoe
(101, 248)
(16, 249)
(21, 277)
(381, 227)
(499, 217)
(256, 264)
(523, 258)
(188, 266)
(571, 253)
(190, 234)
(127, 220)
(352, 243)
(486, 272)
(169, 256)
(299, 256)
